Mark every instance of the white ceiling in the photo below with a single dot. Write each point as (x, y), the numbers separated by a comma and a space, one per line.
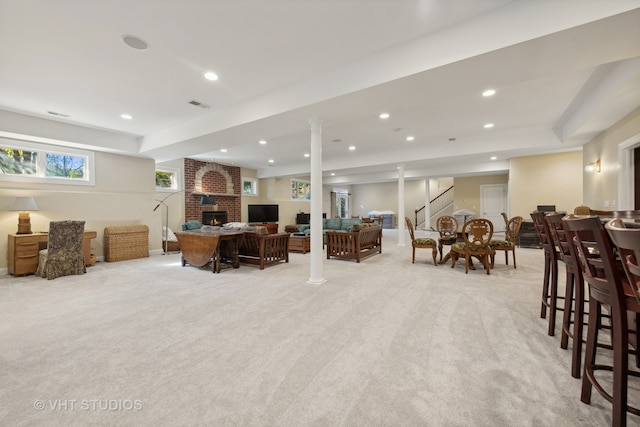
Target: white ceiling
(564, 70)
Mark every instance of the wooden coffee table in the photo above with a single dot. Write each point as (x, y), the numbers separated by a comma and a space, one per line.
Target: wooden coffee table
(299, 243)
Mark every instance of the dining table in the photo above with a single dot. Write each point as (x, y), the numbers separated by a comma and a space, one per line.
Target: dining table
(218, 247)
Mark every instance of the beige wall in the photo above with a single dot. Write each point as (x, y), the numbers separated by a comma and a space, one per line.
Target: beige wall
(124, 193)
(467, 190)
(600, 188)
(553, 179)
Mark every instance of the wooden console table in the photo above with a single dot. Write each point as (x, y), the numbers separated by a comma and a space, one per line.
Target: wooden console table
(23, 251)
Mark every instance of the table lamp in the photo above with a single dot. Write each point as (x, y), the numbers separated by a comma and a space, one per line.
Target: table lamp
(24, 205)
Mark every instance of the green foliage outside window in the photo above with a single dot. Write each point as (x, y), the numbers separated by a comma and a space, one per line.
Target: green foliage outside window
(18, 162)
(65, 166)
(164, 179)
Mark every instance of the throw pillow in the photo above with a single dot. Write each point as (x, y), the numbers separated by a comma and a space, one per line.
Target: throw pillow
(192, 225)
(356, 227)
(262, 231)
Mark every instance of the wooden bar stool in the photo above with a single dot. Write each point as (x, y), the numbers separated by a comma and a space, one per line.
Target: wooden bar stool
(609, 287)
(574, 299)
(550, 295)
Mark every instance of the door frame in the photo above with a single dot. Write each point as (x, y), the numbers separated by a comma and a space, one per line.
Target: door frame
(626, 188)
(505, 202)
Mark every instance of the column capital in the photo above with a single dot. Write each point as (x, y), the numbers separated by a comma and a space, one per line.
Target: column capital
(316, 122)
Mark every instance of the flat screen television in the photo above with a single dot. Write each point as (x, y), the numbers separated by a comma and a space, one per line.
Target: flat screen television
(263, 213)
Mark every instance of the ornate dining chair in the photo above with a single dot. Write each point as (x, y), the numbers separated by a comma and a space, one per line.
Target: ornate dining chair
(608, 287)
(507, 244)
(447, 226)
(64, 255)
(550, 295)
(476, 235)
(506, 218)
(421, 242)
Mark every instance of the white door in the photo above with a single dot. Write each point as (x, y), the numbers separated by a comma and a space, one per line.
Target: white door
(493, 201)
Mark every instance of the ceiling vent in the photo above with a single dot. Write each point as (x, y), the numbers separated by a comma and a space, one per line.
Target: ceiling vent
(199, 104)
(53, 113)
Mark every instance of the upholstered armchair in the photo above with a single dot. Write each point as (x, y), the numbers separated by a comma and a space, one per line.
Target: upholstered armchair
(64, 255)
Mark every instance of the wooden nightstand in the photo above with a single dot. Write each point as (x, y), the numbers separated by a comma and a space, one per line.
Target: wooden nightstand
(23, 251)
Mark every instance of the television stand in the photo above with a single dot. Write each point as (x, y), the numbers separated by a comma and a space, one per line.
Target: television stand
(272, 227)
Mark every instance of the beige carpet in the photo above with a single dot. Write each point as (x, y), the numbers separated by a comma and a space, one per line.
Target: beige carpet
(381, 343)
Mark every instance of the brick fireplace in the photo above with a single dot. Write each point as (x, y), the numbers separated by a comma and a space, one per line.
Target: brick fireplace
(220, 181)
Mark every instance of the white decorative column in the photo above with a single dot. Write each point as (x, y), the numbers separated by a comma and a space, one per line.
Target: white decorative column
(401, 215)
(316, 275)
(427, 204)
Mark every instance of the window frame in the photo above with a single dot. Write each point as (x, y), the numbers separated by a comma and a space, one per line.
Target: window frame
(42, 150)
(293, 190)
(254, 187)
(177, 184)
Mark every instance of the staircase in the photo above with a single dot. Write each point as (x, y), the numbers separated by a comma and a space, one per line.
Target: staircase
(436, 206)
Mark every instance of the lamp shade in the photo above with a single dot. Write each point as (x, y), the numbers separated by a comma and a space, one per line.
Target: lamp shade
(23, 204)
(207, 200)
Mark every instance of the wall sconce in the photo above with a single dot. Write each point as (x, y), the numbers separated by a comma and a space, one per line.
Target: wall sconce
(593, 166)
(24, 205)
(207, 200)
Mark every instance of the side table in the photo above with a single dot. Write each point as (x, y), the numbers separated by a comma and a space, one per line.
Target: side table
(299, 243)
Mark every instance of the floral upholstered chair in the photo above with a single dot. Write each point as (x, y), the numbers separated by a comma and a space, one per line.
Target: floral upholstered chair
(477, 234)
(63, 256)
(421, 242)
(447, 226)
(509, 242)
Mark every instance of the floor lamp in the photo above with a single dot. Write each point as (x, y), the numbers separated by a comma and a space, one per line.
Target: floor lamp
(165, 232)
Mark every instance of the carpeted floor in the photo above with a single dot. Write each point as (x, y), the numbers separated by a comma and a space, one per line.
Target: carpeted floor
(381, 343)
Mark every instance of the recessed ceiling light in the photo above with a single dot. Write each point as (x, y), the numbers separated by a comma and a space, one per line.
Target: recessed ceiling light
(307, 155)
(352, 148)
(494, 158)
(210, 75)
(135, 42)
(489, 92)
(384, 115)
(333, 174)
(411, 138)
(271, 160)
(126, 116)
(488, 126)
(223, 150)
(263, 142)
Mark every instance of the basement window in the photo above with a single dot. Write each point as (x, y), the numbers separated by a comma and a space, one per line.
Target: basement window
(167, 179)
(28, 162)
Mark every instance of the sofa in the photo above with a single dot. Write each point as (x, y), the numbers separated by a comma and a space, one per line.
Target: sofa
(361, 241)
(329, 224)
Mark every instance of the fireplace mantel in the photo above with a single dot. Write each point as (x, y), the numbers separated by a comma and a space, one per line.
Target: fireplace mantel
(198, 193)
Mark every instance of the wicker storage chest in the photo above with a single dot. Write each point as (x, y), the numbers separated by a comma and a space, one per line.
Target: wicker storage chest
(126, 242)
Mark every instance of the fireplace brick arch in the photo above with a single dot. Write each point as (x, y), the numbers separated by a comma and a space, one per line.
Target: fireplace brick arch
(221, 181)
(212, 167)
